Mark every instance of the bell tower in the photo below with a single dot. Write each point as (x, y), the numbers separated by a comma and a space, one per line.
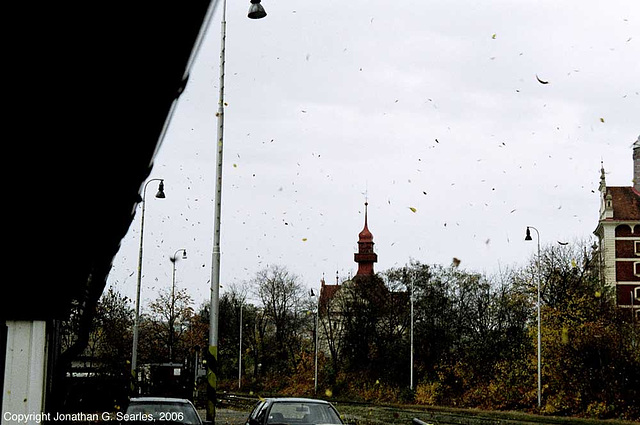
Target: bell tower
(365, 257)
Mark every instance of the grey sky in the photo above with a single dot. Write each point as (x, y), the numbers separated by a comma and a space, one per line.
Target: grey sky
(427, 105)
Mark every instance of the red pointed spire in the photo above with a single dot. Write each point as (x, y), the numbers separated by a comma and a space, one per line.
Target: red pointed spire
(365, 257)
(365, 235)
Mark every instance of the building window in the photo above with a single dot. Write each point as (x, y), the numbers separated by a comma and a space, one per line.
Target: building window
(636, 247)
(636, 293)
(636, 268)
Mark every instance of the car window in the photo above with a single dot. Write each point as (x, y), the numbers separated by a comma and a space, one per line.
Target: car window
(166, 411)
(303, 413)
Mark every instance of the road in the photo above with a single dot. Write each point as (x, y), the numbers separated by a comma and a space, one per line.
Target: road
(228, 416)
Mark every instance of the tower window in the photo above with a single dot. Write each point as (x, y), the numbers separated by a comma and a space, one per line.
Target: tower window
(636, 268)
(636, 246)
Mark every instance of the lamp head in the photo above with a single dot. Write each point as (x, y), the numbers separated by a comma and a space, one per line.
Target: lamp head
(184, 254)
(160, 193)
(528, 237)
(256, 11)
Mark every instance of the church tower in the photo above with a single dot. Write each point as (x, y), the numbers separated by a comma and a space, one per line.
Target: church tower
(365, 257)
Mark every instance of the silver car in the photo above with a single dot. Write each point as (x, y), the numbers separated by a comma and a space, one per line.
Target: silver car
(160, 410)
(294, 411)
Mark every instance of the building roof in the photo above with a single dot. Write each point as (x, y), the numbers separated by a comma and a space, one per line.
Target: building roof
(327, 292)
(626, 203)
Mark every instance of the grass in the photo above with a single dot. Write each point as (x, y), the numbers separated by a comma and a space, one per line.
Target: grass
(403, 415)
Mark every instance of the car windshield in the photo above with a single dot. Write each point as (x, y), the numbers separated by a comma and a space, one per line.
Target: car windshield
(164, 411)
(302, 413)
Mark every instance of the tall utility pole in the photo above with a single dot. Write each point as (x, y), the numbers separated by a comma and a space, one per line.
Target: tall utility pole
(240, 351)
(411, 364)
(255, 12)
(528, 238)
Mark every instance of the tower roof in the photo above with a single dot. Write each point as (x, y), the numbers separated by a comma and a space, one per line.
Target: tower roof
(365, 235)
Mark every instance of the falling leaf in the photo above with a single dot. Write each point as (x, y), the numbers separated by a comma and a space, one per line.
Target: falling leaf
(601, 119)
(304, 239)
(540, 81)
(235, 165)
(413, 209)
(493, 36)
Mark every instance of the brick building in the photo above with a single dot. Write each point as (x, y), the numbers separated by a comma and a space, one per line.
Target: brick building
(618, 233)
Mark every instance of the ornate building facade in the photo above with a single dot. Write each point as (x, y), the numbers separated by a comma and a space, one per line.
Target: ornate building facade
(618, 233)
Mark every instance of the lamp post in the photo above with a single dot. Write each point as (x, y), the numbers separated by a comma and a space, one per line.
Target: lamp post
(240, 351)
(315, 344)
(172, 318)
(256, 11)
(528, 238)
(134, 352)
(411, 364)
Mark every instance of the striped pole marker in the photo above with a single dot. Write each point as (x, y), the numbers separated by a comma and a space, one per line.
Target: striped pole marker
(212, 382)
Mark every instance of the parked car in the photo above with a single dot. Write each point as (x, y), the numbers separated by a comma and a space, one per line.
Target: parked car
(294, 411)
(162, 410)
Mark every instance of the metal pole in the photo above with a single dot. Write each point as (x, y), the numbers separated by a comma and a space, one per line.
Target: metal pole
(212, 354)
(136, 322)
(315, 380)
(240, 352)
(528, 238)
(411, 369)
(172, 313)
(173, 306)
(539, 328)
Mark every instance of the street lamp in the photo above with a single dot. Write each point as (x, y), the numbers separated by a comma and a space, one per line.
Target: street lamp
(240, 351)
(173, 298)
(255, 12)
(136, 323)
(528, 238)
(411, 367)
(315, 325)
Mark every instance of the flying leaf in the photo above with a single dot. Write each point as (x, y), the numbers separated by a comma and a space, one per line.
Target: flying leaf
(540, 81)
(493, 36)
(413, 209)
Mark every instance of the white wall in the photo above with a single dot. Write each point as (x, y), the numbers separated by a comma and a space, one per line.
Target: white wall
(25, 369)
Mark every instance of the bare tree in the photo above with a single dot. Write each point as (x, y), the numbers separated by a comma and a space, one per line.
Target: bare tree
(284, 301)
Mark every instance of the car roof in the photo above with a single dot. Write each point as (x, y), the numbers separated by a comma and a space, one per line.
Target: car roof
(160, 399)
(296, 400)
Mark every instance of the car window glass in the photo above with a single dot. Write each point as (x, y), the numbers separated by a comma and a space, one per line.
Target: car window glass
(180, 412)
(303, 413)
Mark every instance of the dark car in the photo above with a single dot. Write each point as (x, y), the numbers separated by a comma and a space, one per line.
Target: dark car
(160, 410)
(294, 411)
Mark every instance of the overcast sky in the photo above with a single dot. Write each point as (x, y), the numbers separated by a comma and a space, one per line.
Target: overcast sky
(433, 111)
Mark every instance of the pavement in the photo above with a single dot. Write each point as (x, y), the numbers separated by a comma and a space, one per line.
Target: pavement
(228, 416)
